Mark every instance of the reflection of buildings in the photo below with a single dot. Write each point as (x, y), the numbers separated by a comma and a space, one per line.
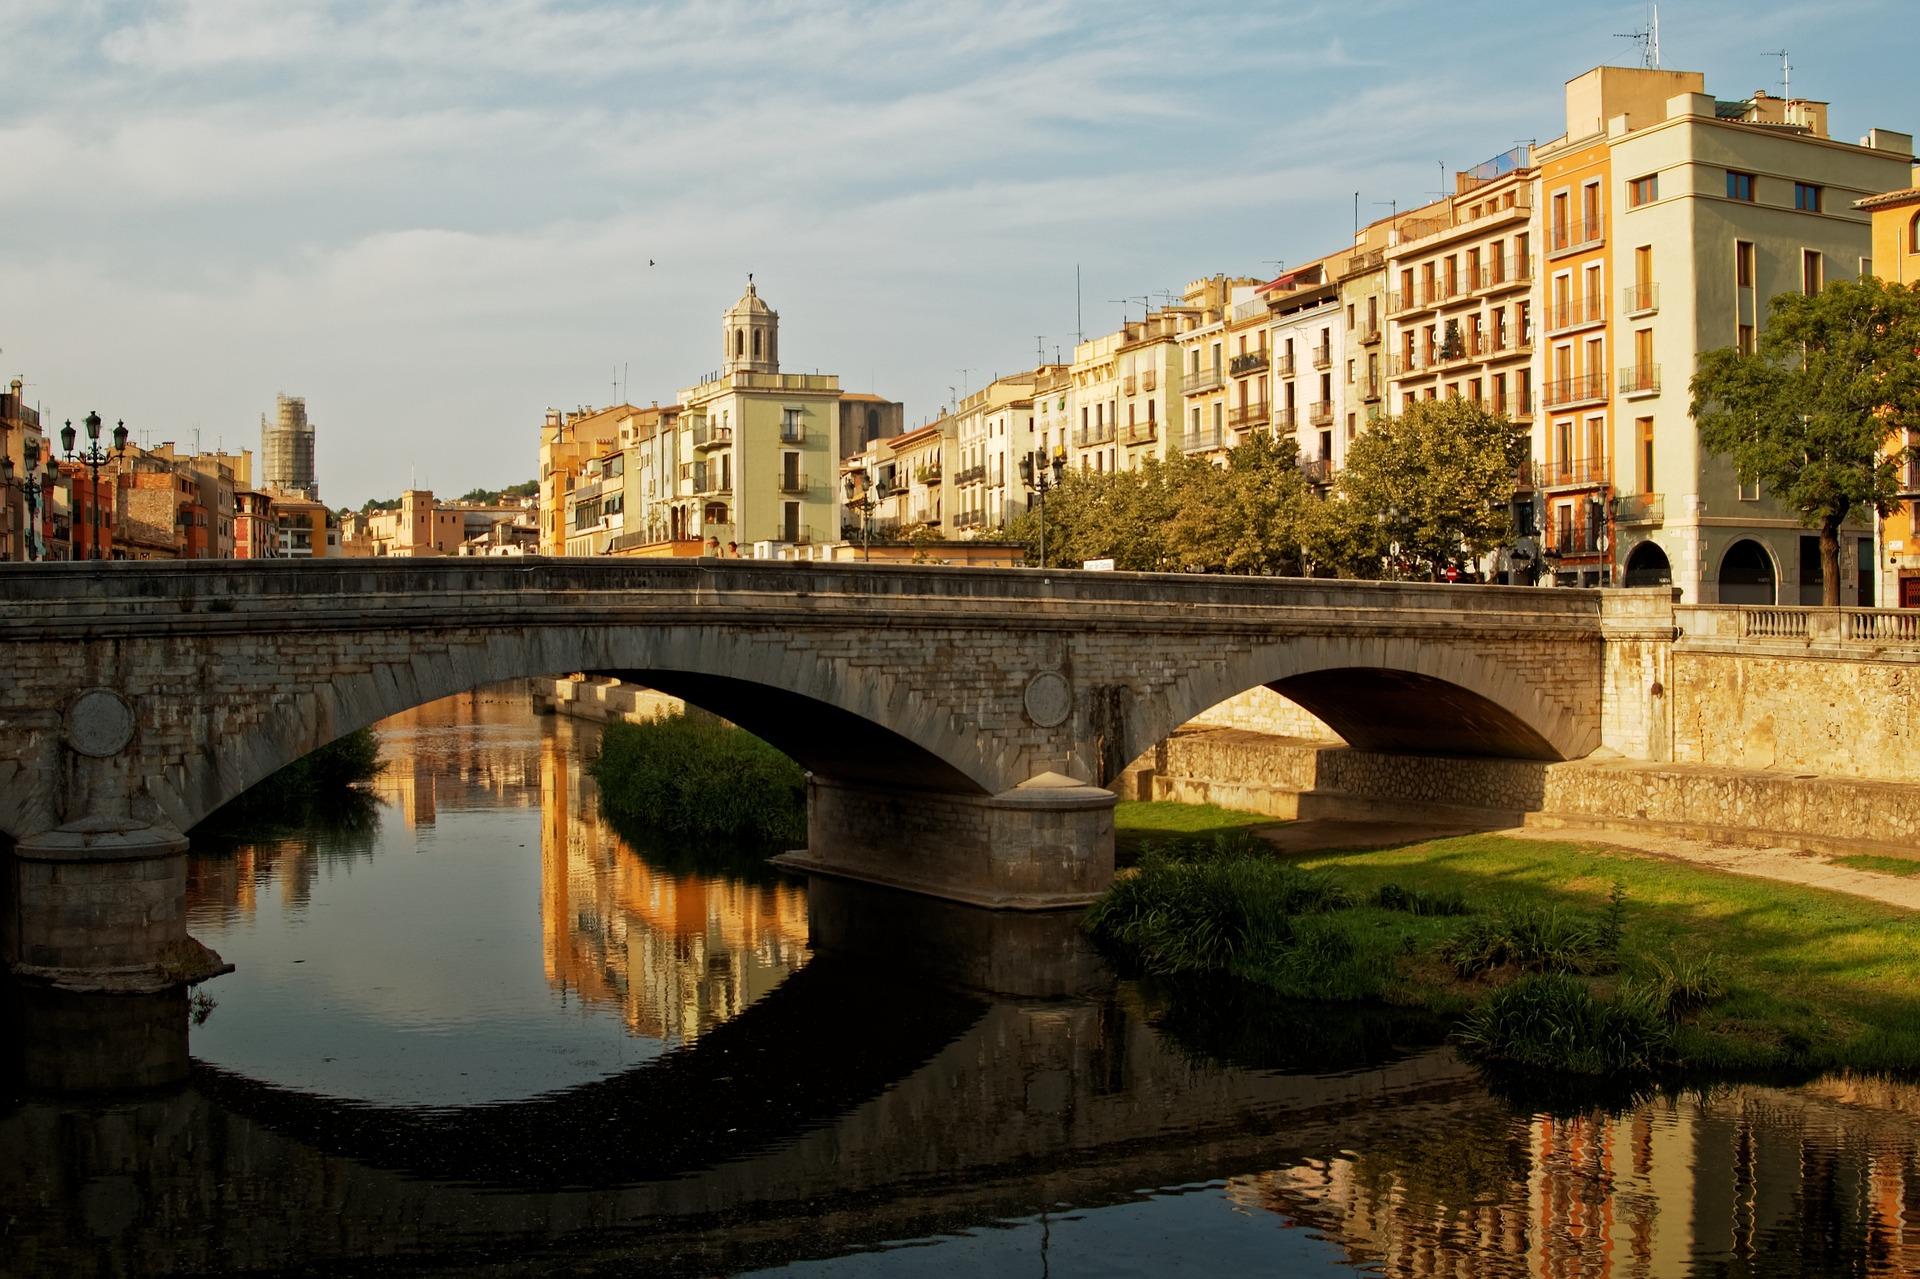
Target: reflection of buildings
(1768, 1180)
(475, 749)
(677, 954)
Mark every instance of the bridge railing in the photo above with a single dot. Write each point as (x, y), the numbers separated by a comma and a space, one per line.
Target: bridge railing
(1849, 627)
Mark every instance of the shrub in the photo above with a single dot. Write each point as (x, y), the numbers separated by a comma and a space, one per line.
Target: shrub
(1414, 901)
(1550, 1021)
(693, 775)
(1684, 984)
(1532, 938)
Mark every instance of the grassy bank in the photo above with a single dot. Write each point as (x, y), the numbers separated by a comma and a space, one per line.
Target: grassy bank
(1567, 957)
(691, 775)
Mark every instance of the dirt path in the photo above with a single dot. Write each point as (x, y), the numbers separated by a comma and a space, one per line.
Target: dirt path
(1787, 865)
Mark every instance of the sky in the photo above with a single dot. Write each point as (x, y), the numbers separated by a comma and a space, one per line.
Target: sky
(437, 218)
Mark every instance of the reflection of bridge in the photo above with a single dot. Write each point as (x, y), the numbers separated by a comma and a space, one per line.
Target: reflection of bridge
(957, 722)
(848, 1102)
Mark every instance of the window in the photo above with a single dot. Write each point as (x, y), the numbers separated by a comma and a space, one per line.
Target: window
(1743, 260)
(1806, 197)
(1913, 234)
(1643, 190)
(1749, 492)
(1644, 427)
(1812, 272)
(1743, 339)
(1739, 186)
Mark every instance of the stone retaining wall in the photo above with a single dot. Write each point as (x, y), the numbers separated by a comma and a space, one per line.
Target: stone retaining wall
(601, 700)
(1296, 778)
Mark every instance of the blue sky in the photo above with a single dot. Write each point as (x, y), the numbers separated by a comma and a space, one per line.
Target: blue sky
(433, 218)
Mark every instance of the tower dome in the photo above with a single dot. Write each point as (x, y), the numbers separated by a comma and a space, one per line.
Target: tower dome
(752, 335)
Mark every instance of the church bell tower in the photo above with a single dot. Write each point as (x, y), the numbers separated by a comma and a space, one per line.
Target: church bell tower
(752, 335)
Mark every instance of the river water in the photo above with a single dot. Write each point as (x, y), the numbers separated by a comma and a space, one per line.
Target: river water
(472, 1030)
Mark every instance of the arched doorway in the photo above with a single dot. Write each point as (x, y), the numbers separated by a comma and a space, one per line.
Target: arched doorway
(1647, 565)
(1746, 574)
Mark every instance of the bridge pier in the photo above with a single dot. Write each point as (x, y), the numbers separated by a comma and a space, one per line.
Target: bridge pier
(99, 907)
(1047, 844)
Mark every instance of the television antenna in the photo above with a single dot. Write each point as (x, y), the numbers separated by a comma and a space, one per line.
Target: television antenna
(1786, 71)
(1648, 38)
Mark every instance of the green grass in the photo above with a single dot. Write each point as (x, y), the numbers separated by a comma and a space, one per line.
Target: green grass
(1748, 975)
(1880, 865)
(1137, 823)
(1810, 979)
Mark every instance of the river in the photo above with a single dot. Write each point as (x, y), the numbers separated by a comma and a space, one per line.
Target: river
(472, 1030)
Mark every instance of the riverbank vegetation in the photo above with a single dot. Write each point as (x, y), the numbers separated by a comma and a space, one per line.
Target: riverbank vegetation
(1541, 955)
(692, 774)
(326, 787)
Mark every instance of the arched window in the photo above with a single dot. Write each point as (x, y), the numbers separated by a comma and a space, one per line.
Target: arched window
(1913, 234)
(756, 344)
(739, 342)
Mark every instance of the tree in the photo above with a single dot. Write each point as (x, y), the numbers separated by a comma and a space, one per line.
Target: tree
(1245, 517)
(1810, 412)
(1437, 481)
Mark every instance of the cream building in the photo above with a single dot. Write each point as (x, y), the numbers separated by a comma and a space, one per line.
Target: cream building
(1308, 338)
(1203, 363)
(1722, 205)
(993, 430)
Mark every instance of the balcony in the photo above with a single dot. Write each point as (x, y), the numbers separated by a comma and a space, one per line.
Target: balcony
(1370, 390)
(1150, 380)
(1635, 509)
(1576, 313)
(1512, 272)
(1369, 334)
(1588, 388)
(1127, 384)
(711, 484)
(793, 482)
(1320, 414)
(708, 434)
(793, 432)
(1285, 419)
(1368, 260)
(1143, 433)
(1571, 237)
(970, 475)
(1203, 441)
(1248, 415)
(1323, 356)
(1640, 380)
(1522, 475)
(1641, 299)
(1283, 365)
(1406, 364)
(1405, 300)
(1317, 470)
(1578, 472)
(1088, 437)
(1203, 381)
(1577, 540)
(1251, 362)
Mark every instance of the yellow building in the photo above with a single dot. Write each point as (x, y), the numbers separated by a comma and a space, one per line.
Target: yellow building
(1203, 372)
(304, 528)
(1896, 259)
(568, 441)
(993, 430)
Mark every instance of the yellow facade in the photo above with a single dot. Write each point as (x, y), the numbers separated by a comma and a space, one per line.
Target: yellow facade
(568, 441)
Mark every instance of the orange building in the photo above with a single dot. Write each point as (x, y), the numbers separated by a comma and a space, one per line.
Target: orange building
(1896, 259)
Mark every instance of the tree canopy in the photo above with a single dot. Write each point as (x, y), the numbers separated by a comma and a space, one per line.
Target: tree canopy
(1809, 413)
(1436, 482)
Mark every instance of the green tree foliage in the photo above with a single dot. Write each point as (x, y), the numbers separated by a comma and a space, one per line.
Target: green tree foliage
(693, 775)
(1437, 481)
(1809, 413)
(1182, 514)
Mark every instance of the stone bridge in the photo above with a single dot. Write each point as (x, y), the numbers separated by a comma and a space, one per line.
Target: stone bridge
(959, 724)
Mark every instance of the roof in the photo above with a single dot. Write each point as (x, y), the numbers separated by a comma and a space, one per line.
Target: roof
(1890, 199)
(750, 302)
(919, 435)
(865, 397)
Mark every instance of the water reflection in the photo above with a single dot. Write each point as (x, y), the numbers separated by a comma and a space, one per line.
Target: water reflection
(494, 1036)
(408, 934)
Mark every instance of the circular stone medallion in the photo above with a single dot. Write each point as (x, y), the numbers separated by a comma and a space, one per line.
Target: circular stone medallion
(99, 723)
(1049, 699)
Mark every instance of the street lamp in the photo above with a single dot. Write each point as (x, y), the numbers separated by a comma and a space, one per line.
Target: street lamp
(94, 458)
(862, 501)
(1038, 473)
(6, 501)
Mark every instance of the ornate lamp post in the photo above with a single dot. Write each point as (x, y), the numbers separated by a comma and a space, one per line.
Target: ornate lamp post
(94, 458)
(7, 532)
(1038, 473)
(861, 500)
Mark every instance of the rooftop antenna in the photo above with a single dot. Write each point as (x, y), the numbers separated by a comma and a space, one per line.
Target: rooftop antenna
(1786, 71)
(1441, 194)
(1356, 213)
(1648, 38)
(1079, 325)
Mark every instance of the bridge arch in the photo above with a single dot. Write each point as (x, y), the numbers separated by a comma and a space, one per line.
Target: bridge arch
(855, 725)
(1394, 694)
